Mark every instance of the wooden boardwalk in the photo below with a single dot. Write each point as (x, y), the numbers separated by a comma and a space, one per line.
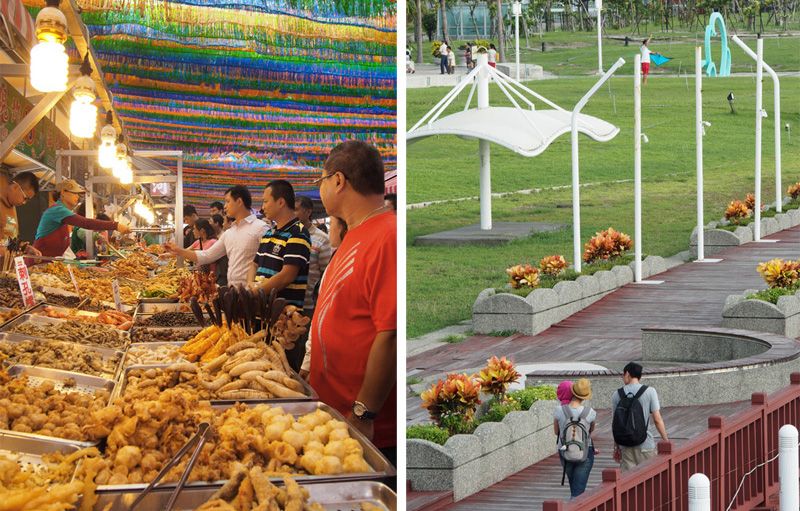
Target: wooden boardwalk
(692, 294)
(530, 487)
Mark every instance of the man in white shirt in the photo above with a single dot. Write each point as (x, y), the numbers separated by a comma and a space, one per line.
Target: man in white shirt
(239, 243)
(444, 65)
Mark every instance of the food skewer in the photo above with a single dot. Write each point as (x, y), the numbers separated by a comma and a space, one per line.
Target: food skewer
(198, 312)
(244, 304)
(275, 312)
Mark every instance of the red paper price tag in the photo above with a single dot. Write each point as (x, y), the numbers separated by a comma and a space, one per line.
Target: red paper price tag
(117, 301)
(24, 282)
(74, 282)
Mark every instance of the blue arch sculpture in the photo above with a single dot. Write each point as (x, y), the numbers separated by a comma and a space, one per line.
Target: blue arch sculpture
(725, 60)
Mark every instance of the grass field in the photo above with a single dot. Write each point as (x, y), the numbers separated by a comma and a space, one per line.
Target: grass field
(575, 54)
(442, 282)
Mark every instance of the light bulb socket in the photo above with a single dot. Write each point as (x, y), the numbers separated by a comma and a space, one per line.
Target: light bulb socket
(84, 89)
(51, 24)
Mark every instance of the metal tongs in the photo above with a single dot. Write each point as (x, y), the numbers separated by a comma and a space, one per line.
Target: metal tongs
(199, 438)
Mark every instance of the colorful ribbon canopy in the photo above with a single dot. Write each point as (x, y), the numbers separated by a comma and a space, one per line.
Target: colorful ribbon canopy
(250, 90)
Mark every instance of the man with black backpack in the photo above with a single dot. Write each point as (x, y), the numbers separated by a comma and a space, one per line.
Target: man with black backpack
(631, 407)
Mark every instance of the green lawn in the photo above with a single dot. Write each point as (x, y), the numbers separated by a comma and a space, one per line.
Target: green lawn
(442, 283)
(575, 54)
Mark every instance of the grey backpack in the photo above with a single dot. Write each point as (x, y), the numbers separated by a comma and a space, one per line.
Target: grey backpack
(575, 438)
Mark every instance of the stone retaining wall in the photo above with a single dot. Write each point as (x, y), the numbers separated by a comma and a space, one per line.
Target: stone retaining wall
(716, 240)
(542, 308)
(697, 383)
(758, 315)
(467, 464)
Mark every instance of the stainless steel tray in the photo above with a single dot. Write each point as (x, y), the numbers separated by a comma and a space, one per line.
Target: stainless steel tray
(127, 308)
(46, 320)
(152, 308)
(152, 346)
(106, 353)
(12, 318)
(155, 300)
(28, 451)
(83, 383)
(332, 497)
(139, 316)
(381, 468)
(311, 394)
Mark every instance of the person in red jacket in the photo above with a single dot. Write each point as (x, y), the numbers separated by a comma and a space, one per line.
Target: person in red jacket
(52, 237)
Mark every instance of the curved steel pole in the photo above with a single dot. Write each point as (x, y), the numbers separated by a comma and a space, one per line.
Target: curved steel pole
(576, 210)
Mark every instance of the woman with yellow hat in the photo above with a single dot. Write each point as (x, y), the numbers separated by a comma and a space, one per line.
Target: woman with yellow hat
(573, 424)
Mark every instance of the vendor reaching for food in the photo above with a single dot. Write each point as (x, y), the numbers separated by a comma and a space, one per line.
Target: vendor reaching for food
(22, 188)
(52, 237)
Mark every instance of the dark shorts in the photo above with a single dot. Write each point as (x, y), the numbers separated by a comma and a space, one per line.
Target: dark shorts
(645, 68)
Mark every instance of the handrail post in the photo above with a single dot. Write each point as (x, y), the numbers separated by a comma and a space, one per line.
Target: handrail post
(760, 399)
(716, 423)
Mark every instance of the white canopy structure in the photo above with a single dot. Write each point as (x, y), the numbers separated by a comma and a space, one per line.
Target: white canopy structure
(522, 129)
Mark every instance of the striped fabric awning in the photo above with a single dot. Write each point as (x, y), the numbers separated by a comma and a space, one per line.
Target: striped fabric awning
(390, 182)
(17, 17)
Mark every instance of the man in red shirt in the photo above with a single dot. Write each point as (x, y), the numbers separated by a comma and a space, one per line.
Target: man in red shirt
(354, 331)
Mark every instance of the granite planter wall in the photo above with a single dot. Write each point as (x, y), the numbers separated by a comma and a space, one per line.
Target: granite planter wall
(760, 316)
(467, 464)
(542, 308)
(716, 240)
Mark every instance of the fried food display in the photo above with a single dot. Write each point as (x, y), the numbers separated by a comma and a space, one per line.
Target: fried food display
(155, 249)
(59, 355)
(56, 468)
(164, 354)
(150, 335)
(77, 331)
(5, 316)
(251, 489)
(43, 410)
(92, 305)
(49, 280)
(116, 319)
(167, 319)
(200, 285)
(142, 435)
(9, 293)
(291, 324)
(247, 371)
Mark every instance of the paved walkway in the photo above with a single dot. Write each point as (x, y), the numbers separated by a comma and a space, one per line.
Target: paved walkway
(609, 331)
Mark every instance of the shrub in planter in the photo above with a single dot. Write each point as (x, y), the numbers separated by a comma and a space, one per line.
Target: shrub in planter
(497, 376)
(430, 432)
(736, 211)
(553, 265)
(451, 403)
(606, 245)
(518, 400)
(750, 202)
(779, 273)
(772, 295)
(523, 276)
(794, 191)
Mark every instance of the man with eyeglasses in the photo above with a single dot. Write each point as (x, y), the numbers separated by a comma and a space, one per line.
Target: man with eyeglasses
(354, 330)
(22, 188)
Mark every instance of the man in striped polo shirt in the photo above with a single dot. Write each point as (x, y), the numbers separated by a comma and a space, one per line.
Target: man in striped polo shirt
(281, 261)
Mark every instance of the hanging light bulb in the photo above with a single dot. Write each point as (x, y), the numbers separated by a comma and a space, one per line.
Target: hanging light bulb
(82, 113)
(49, 62)
(144, 212)
(120, 166)
(127, 177)
(108, 147)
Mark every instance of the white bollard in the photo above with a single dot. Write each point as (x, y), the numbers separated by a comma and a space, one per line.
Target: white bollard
(788, 469)
(699, 493)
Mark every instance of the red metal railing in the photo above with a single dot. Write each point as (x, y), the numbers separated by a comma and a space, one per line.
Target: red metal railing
(725, 452)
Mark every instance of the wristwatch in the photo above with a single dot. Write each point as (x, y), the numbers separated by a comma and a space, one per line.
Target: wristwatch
(361, 411)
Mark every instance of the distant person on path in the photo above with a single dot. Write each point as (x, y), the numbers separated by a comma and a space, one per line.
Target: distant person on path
(409, 62)
(451, 61)
(631, 407)
(443, 58)
(492, 55)
(468, 58)
(573, 424)
(646, 58)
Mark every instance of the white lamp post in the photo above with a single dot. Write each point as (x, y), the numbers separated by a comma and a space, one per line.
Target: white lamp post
(82, 113)
(598, 4)
(516, 10)
(49, 63)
